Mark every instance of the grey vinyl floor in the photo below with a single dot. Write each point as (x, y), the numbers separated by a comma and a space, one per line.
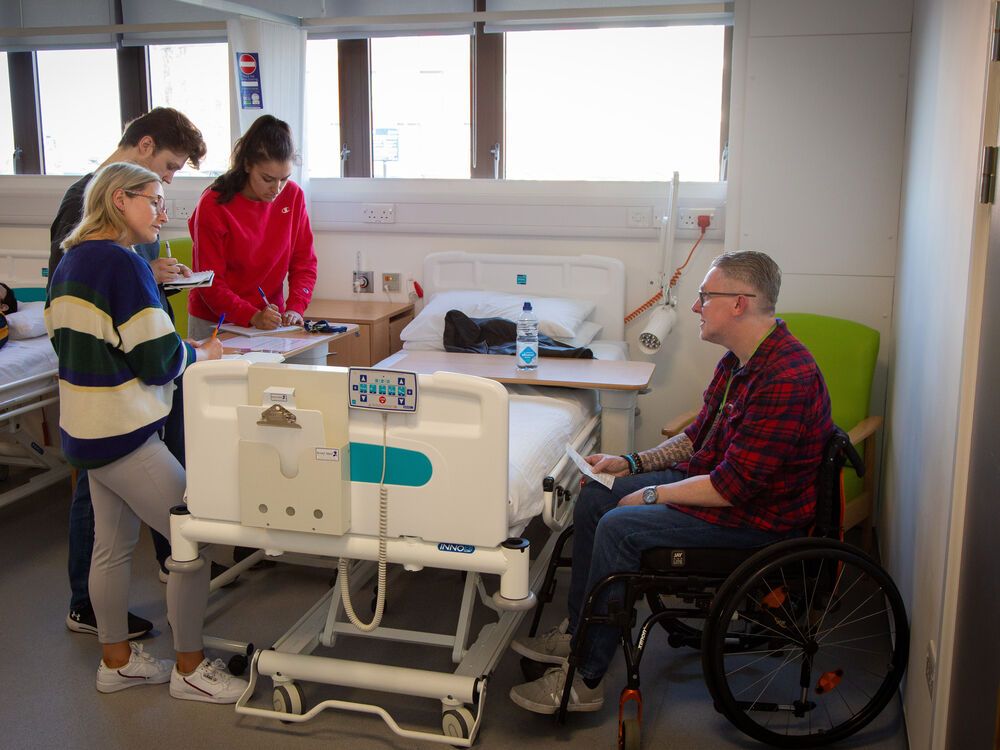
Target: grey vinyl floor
(49, 699)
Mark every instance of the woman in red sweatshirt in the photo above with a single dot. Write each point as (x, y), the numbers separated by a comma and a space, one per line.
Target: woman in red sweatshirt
(252, 229)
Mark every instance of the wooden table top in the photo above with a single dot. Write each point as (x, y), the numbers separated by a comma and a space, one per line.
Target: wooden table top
(357, 310)
(624, 375)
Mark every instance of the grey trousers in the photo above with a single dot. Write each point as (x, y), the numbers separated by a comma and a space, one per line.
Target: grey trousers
(199, 328)
(142, 486)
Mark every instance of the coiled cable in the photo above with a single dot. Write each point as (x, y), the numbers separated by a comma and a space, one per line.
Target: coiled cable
(383, 530)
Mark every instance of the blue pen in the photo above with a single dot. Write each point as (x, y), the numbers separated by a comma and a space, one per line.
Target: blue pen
(263, 297)
(219, 326)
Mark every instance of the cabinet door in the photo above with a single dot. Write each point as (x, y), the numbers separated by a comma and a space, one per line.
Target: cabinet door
(343, 351)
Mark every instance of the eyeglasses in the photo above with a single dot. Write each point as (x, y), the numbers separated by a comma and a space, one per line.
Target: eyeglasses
(156, 201)
(703, 295)
(321, 326)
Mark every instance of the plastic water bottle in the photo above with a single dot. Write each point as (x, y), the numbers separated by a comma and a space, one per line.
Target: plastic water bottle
(527, 339)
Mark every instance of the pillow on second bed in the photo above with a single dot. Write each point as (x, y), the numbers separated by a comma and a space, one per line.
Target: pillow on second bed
(28, 322)
(558, 317)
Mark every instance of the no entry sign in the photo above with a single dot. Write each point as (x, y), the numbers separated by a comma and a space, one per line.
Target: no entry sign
(248, 65)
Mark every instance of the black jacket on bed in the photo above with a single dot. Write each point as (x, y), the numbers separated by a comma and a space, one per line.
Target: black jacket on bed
(498, 336)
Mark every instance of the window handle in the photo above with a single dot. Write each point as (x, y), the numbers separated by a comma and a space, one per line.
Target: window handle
(496, 160)
(345, 153)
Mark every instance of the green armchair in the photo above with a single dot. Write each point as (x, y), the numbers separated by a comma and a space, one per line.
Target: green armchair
(846, 353)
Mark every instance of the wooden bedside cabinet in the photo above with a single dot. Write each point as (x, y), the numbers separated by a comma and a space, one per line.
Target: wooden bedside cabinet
(379, 325)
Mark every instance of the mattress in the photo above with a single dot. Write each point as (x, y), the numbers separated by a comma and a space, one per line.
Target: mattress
(21, 359)
(542, 421)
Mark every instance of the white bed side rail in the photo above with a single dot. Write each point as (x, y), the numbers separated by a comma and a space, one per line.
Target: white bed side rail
(556, 511)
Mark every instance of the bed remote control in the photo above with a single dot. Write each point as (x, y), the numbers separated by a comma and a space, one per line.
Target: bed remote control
(382, 390)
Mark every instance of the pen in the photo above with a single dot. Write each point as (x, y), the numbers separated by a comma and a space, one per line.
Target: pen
(263, 297)
(216, 331)
(167, 244)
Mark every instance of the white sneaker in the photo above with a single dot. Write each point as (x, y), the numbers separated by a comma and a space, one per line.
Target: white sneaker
(142, 669)
(210, 683)
(544, 695)
(552, 647)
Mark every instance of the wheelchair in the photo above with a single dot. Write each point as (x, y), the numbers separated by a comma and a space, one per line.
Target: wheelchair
(803, 642)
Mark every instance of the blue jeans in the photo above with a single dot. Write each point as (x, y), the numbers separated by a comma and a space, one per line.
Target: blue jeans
(610, 539)
(81, 513)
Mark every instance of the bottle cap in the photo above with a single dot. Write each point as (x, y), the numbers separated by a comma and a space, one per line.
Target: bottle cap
(527, 306)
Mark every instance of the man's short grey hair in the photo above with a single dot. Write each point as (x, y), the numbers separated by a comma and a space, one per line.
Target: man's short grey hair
(756, 270)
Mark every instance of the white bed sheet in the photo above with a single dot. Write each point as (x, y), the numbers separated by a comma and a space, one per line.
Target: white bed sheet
(542, 421)
(22, 359)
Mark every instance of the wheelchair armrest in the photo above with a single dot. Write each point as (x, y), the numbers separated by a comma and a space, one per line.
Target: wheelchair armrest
(678, 423)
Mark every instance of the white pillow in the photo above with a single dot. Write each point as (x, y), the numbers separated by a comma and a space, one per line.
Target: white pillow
(28, 322)
(558, 317)
(586, 333)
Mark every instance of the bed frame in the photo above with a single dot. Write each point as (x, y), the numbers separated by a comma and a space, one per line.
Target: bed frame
(213, 516)
(23, 271)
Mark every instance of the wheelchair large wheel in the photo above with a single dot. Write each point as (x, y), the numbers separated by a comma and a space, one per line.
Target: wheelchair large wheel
(836, 647)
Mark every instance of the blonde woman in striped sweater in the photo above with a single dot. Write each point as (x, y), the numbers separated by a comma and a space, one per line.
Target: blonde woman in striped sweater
(118, 359)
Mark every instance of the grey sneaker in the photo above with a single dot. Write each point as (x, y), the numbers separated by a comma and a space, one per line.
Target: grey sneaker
(142, 669)
(552, 647)
(210, 683)
(544, 694)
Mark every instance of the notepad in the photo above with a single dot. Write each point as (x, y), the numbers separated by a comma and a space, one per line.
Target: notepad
(198, 278)
(251, 331)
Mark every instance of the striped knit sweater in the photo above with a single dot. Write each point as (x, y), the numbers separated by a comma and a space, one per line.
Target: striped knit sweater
(118, 352)
(3, 330)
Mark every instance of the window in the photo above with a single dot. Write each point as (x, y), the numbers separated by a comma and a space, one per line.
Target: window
(194, 79)
(614, 104)
(6, 120)
(322, 108)
(420, 106)
(81, 115)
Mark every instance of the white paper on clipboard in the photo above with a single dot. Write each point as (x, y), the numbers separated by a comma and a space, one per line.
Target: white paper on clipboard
(606, 479)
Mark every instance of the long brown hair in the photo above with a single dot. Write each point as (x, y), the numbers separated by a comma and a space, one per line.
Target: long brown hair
(267, 139)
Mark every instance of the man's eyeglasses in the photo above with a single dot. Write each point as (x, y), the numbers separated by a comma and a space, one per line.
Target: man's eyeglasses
(156, 201)
(703, 296)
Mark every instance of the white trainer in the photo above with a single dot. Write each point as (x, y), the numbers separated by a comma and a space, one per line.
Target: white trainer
(142, 669)
(552, 647)
(210, 683)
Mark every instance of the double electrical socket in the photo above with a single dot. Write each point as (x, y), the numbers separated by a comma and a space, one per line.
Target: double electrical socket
(688, 217)
(378, 213)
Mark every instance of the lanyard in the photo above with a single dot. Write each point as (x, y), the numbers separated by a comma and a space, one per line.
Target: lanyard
(732, 372)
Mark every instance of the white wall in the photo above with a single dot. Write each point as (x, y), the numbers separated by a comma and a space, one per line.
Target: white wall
(949, 59)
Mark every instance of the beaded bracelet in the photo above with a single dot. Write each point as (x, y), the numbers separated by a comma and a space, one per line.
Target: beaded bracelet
(631, 463)
(639, 467)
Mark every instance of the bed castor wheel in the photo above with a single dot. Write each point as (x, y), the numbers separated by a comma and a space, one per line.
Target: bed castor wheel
(288, 699)
(630, 735)
(457, 722)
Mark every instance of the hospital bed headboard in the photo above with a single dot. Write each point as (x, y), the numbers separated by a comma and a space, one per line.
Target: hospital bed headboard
(584, 277)
(25, 271)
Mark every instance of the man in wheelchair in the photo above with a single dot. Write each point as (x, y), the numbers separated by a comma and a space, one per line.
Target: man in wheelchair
(742, 475)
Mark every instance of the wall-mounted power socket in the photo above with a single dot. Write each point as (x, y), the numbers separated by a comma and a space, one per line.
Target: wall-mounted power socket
(182, 209)
(378, 213)
(688, 218)
(390, 282)
(363, 282)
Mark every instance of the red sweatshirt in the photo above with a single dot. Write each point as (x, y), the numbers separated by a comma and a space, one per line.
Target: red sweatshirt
(250, 244)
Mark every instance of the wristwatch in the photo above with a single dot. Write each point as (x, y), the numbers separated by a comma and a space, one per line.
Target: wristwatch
(649, 496)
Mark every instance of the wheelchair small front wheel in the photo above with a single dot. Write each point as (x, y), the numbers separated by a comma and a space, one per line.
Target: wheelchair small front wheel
(832, 637)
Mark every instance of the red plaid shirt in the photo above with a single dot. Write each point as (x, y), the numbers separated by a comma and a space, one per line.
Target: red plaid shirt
(764, 454)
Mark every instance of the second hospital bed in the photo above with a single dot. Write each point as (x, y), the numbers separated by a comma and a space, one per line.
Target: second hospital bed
(489, 449)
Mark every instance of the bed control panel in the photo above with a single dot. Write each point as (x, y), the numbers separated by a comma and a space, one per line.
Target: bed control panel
(382, 390)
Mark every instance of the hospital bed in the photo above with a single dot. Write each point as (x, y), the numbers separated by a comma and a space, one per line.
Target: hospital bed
(29, 396)
(465, 470)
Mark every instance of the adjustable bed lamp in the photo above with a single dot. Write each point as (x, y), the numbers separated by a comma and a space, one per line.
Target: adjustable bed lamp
(659, 324)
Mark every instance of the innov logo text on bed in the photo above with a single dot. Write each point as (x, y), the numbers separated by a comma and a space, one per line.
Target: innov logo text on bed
(451, 547)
